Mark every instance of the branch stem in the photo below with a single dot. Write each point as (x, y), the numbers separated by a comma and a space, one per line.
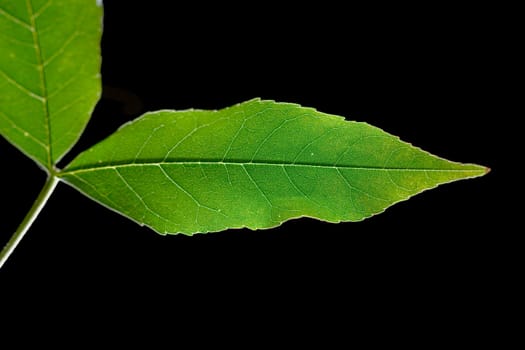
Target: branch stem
(39, 203)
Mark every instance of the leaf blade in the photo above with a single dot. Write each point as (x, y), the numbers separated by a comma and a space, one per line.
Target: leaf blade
(267, 163)
(49, 74)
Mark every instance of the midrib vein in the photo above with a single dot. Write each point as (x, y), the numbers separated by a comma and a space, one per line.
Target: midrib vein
(258, 163)
(43, 83)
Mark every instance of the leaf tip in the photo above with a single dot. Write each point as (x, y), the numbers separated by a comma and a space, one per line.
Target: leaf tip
(482, 170)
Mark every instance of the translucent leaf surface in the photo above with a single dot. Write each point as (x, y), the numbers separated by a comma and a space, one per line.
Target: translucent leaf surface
(49, 73)
(253, 165)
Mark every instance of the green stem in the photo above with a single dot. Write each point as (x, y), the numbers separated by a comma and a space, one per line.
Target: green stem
(39, 203)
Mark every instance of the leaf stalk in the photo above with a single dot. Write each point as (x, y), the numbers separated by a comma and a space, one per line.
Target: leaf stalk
(45, 193)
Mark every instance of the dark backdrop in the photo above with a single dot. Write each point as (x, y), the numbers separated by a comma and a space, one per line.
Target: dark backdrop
(422, 77)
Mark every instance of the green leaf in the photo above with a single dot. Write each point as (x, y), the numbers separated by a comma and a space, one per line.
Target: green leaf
(253, 165)
(49, 74)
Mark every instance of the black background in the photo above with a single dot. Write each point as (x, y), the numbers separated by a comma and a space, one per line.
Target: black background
(421, 74)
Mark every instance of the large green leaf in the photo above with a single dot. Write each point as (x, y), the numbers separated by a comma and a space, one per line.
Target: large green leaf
(49, 73)
(253, 165)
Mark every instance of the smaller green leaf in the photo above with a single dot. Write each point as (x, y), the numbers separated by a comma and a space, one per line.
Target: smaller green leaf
(49, 74)
(255, 165)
